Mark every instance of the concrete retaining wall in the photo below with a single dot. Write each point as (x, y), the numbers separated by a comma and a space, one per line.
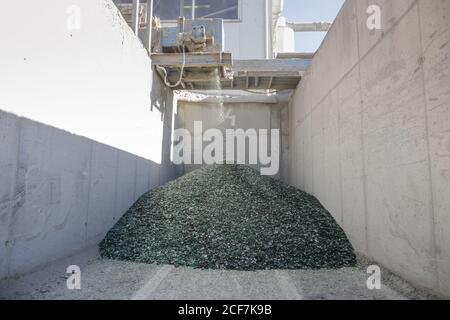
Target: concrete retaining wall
(370, 135)
(61, 192)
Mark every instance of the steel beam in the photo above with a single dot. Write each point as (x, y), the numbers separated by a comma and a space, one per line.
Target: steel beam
(193, 60)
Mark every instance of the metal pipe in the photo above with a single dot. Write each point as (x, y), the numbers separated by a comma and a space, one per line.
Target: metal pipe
(149, 25)
(135, 17)
(276, 7)
(309, 27)
(268, 30)
(181, 8)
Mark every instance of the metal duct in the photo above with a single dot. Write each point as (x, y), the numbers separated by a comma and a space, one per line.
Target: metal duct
(309, 27)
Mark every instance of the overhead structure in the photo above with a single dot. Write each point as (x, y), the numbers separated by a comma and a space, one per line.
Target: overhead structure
(191, 55)
(213, 71)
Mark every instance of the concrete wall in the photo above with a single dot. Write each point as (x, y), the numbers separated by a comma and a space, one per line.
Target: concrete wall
(370, 135)
(60, 192)
(247, 116)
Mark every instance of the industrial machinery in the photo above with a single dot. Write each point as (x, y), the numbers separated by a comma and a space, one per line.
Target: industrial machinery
(189, 53)
(199, 35)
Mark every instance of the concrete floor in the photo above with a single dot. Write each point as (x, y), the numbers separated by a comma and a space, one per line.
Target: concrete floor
(106, 279)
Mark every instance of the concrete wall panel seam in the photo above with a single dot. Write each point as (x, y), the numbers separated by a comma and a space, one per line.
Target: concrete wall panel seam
(364, 175)
(432, 195)
(12, 199)
(89, 193)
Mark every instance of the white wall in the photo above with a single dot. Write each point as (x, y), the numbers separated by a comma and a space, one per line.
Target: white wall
(61, 192)
(370, 135)
(246, 39)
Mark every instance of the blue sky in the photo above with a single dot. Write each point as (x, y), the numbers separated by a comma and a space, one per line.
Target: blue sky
(310, 11)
